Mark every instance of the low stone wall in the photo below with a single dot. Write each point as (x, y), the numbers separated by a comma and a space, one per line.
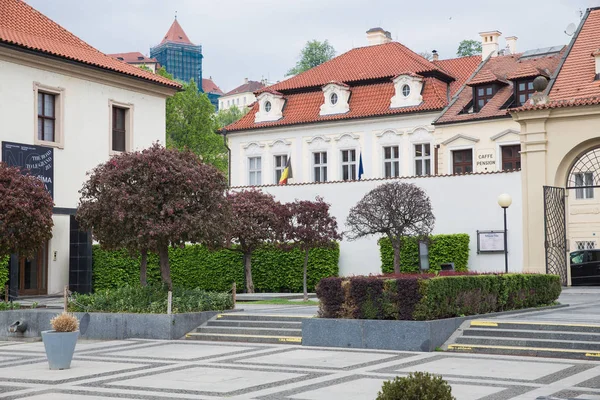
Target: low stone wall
(108, 326)
(389, 335)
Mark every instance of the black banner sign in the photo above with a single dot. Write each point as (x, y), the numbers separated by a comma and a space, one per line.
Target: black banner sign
(37, 160)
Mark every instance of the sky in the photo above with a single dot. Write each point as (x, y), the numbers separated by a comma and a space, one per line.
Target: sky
(258, 39)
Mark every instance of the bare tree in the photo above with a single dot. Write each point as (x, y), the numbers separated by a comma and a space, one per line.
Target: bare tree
(393, 209)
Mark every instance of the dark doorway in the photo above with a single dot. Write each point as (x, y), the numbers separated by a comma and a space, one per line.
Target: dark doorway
(33, 273)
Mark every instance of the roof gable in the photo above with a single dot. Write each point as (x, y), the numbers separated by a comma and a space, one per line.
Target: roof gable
(208, 86)
(251, 86)
(24, 27)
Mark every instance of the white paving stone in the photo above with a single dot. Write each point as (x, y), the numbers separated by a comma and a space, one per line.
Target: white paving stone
(318, 358)
(179, 351)
(62, 396)
(503, 369)
(79, 368)
(473, 392)
(81, 345)
(207, 379)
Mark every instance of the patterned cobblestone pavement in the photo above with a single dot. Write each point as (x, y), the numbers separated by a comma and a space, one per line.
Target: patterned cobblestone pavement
(160, 370)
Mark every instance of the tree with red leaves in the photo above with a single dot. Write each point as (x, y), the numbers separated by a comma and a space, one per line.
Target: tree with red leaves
(152, 199)
(311, 226)
(395, 210)
(25, 213)
(256, 219)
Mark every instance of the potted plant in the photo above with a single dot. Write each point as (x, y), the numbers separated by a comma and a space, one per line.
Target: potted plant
(61, 340)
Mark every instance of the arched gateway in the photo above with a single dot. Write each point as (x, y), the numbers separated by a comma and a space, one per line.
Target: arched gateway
(582, 178)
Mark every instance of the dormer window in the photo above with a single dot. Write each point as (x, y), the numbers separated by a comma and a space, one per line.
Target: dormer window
(408, 89)
(405, 90)
(523, 91)
(596, 55)
(482, 95)
(270, 107)
(333, 99)
(336, 96)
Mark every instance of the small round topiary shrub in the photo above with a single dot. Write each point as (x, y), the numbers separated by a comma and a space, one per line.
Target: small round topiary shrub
(65, 322)
(416, 386)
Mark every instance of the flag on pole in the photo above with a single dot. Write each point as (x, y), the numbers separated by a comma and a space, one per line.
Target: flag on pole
(361, 169)
(287, 172)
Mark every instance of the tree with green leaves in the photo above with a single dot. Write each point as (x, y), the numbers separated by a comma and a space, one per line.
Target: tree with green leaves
(191, 124)
(468, 48)
(313, 54)
(230, 115)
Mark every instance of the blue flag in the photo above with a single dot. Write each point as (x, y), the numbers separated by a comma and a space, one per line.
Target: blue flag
(361, 170)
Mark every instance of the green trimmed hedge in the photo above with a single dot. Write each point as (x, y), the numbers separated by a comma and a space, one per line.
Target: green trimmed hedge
(195, 266)
(151, 299)
(429, 297)
(442, 249)
(4, 270)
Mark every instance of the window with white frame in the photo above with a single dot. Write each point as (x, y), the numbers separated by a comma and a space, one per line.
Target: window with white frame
(348, 165)
(585, 244)
(422, 159)
(391, 161)
(280, 163)
(254, 170)
(584, 182)
(320, 166)
(121, 127)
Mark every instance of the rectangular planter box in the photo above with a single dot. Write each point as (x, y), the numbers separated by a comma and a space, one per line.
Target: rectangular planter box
(109, 326)
(389, 335)
(377, 334)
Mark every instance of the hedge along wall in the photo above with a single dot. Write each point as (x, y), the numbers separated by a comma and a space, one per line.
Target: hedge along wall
(4, 270)
(273, 270)
(426, 297)
(442, 249)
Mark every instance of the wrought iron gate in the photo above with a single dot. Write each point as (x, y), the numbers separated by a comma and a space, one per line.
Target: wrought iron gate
(555, 231)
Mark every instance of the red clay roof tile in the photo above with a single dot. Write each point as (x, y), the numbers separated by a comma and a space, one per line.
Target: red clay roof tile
(497, 68)
(363, 63)
(251, 86)
(208, 86)
(134, 57)
(576, 78)
(176, 34)
(23, 26)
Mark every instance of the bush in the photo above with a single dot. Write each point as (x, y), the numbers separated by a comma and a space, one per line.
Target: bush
(4, 270)
(442, 249)
(65, 322)
(417, 385)
(151, 299)
(273, 270)
(429, 297)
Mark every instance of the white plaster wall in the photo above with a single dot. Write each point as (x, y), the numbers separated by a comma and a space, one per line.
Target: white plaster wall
(234, 98)
(86, 138)
(86, 122)
(367, 136)
(461, 204)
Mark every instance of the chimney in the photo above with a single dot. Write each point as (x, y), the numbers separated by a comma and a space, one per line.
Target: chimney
(435, 55)
(245, 81)
(378, 36)
(489, 43)
(511, 44)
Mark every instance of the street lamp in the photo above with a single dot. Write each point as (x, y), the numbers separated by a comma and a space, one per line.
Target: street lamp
(504, 201)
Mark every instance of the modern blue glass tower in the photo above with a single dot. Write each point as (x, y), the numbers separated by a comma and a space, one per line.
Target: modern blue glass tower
(179, 56)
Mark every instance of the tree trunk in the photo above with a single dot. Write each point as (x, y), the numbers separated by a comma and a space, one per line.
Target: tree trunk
(305, 268)
(248, 270)
(396, 247)
(144, 268)
(165, 270)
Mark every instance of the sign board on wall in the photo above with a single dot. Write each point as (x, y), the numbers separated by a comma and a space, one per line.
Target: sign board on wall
(490, 241)
(485, 160)
(37, 160)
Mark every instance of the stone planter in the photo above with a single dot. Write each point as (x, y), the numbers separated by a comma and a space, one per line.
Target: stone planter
(59, 348)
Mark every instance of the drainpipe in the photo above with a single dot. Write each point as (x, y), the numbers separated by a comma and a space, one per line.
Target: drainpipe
(224, 132)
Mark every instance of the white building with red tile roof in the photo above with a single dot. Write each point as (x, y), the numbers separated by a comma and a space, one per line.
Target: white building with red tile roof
(374, 104)
(71, 107)
(138, 59)
(242, 96)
